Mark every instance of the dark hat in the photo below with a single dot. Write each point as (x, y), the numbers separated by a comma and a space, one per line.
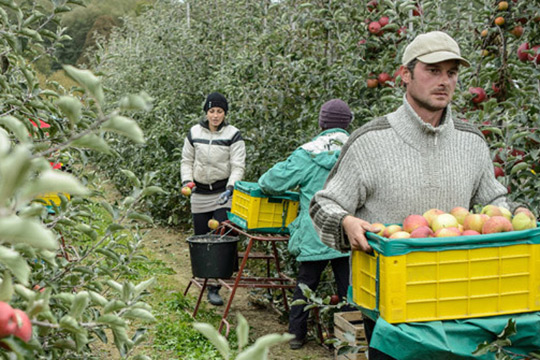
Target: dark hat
(335, 114)
(215, 99)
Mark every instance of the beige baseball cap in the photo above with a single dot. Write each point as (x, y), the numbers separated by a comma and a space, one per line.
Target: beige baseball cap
(433, 47)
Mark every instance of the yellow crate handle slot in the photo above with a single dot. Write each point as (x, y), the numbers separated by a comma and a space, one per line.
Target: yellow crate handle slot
(284, 214)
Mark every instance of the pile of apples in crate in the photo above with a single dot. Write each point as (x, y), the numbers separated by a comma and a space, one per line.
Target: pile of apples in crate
(459, 221)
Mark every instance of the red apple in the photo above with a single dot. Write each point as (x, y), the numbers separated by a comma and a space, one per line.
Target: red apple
(497, 224)
(399, 72)
(522, 55)
(524, 210)
(8, 320)
(474, 222)
(372, 83)
(374, 27)
(334, 299)
(459, 212)
(372, 5)
(190, 185)
(422, 232)
(213, 224)
(39, 288)
(479, 94)
(497, 157)
(447, 232)
(431, 214)
(518, 154)
(517, 31)
(491, 210)
(384, 78)
(470, 232)
(498, 171)
(414, 221)
(444, 221)
(24, 328)
(534, 56)
(417, 11)
(400, 235)
(390, 229)
(383, 21)
(486, 132)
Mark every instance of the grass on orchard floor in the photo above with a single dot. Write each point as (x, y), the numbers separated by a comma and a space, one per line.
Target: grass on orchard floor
(173, 336)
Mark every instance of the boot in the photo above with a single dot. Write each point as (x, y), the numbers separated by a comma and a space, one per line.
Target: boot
(213, 296)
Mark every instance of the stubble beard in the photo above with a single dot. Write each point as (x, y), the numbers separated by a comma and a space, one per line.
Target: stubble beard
(427, 104)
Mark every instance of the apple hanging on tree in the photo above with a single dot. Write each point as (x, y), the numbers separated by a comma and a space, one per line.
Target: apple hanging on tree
(374, 27)
(24, 328)
(521, 54)
(384, 78)
(8, 320)
(479, 94)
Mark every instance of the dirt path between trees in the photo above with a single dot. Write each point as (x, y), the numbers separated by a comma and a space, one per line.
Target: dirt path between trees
(170, 246)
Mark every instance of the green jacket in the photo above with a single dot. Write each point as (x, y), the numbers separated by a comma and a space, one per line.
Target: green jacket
(307, 168)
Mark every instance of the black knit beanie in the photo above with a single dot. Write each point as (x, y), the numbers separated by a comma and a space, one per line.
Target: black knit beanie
(335, 114)
(215, 99)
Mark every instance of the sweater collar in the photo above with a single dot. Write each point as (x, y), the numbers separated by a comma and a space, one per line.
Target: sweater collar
(413, 130)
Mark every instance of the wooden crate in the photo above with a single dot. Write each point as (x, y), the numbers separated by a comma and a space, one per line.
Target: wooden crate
(350, 322)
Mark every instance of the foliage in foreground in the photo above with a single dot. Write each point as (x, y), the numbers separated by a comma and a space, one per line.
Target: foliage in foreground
(258, 351)
(67, 265)
(498, 346)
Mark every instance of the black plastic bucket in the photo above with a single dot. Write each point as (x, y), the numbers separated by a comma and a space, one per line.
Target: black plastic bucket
(213, 256)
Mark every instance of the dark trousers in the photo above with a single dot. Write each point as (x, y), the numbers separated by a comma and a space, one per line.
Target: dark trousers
(309, 273)
(373, 354)
(200, 220)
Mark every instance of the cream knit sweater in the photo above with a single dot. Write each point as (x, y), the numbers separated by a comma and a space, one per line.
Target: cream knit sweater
(399, 165)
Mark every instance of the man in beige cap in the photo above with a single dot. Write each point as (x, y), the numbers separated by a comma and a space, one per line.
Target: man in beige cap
(409, 161)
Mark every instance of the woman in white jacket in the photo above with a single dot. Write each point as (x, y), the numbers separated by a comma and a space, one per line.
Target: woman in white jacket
(213, 157)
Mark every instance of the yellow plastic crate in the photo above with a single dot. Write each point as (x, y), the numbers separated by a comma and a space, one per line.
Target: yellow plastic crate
(253, 210)
(476, 277)
(53, 197)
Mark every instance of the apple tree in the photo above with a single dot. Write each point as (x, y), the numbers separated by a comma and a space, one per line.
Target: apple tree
(278, 61)
(66, 268)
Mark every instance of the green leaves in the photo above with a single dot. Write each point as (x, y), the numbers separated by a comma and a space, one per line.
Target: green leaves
(125, 126)
(13, 170)
(15, 230)
(218, 340)
(64, 287)
(88, 81)
(141, 102)
(502, 341)
(15, 263)
(17, 127)
(257, 351)
(53, 182)
(93, 142)
(71, 108)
